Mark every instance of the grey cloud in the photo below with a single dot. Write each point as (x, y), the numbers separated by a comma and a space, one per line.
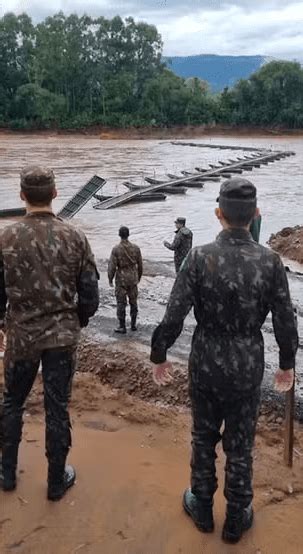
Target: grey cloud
(197, 26)
(160, 8)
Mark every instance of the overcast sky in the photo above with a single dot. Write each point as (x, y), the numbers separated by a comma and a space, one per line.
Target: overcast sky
(269, 27)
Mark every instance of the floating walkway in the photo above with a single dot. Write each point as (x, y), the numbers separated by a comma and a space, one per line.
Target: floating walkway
(219, 146)
(245, 164)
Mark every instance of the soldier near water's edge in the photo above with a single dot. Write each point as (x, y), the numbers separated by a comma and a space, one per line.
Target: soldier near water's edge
(125, 265)
(48, 291)
(232, 283)
(182, 242)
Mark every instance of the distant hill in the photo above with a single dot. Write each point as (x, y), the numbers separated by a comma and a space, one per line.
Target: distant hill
(219, 71)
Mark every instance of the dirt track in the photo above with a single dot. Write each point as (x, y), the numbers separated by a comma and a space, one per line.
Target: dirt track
(132, 460)
(289, 243)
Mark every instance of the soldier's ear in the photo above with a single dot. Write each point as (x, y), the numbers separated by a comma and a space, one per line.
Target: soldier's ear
(22, 196)
(257, 212)
(55, 193)
(219, 214)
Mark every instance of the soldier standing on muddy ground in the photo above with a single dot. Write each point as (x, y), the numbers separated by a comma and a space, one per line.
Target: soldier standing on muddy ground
(182, 242)
(126, 266)
(48, 291)
(232, 284)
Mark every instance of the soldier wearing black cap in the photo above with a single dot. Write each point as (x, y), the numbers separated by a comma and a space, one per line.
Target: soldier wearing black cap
(48, 291)
(232, 283)
(182, 242)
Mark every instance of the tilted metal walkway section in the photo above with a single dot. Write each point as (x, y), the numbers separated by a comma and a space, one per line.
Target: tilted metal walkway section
(76, 203)
(247, 162)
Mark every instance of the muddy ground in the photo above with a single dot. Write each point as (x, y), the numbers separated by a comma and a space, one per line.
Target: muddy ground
(289, 243)
(132, 459)
(188, 131)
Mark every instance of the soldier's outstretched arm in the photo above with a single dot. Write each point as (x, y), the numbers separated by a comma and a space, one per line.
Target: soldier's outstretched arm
(87, 286)
(180, 302)
(3, 298)
(175, 244)
(283, 316)
(112, 266)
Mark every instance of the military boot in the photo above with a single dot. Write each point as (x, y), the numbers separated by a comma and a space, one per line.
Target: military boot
(60, 479)
(200, 512)
(122, 328)
(9, 466)
(236, 523)
(134, 322)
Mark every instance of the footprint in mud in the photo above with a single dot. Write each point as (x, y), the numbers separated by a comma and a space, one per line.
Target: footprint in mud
(107, 424)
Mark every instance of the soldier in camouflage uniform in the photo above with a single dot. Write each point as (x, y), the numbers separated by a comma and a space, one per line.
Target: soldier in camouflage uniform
(125, 265)
(255, 227)
(232, 284)
(48, 291)
(182, 242)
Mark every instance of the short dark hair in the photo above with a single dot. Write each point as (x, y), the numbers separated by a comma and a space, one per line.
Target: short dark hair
(124, 232)
(37, 185)
(239, 216)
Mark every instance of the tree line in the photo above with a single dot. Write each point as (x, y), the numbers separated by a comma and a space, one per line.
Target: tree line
(73, 72)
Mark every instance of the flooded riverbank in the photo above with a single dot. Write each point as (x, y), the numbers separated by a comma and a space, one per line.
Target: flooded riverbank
(76, 159)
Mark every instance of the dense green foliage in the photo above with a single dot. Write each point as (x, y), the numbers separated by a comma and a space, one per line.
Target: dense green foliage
(71, 71)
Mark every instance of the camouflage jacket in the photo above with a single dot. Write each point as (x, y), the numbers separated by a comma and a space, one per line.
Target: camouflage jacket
(181, 246)
(48, 284)
(232, 284)
(125, 264)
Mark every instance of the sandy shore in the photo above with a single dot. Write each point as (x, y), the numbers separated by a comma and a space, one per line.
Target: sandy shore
(289, 243)
(167, 133)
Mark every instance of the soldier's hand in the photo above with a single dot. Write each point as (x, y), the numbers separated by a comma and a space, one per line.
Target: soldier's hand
(284, 380)
(162, 373)
(166, 244)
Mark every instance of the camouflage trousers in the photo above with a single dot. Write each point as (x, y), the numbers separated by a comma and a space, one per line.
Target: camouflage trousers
(178, 260)
(123, 294)
(58, 367)
(210, 408)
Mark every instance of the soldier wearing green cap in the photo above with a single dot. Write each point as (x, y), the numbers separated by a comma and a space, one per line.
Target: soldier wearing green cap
(182, 242)
(48, 291)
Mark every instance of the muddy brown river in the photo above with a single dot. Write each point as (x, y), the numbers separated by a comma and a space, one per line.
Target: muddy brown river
(76, 159)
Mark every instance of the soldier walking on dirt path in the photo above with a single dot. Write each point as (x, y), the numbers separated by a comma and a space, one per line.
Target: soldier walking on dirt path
(232, 284)
(182, 242)
(125, 265)
(48, 291)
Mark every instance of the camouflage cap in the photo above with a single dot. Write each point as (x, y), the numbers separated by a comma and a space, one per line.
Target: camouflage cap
(33, 177)
(237, 192)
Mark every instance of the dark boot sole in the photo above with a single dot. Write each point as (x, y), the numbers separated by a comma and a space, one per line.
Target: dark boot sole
(231, 539)
(9, 487)
(57, 497)
(122, 332)
(200, 526)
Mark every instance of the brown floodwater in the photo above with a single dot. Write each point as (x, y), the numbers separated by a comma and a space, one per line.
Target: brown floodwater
(76, 159)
